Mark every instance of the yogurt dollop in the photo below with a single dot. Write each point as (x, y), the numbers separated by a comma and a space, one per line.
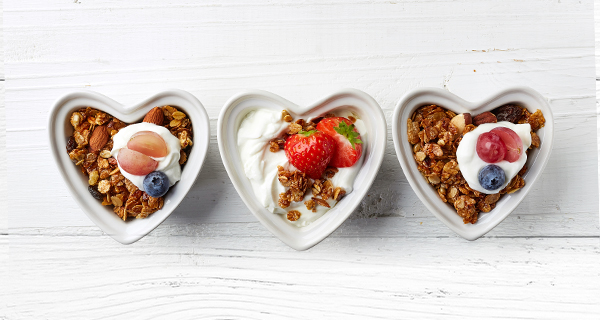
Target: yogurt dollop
(470, 163)
(168, 164)
(255, 131)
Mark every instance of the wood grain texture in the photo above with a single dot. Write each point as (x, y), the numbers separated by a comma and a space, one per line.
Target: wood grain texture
(254, 277)
(392, 258)
(597, 33)
(4, 259)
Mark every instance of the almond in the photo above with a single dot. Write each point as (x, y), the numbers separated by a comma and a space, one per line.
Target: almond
(155, 116)
(486, 117)
(99, 138)
(460, 121)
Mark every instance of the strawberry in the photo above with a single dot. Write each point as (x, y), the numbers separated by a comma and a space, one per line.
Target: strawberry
(310, 152)
(349, 144)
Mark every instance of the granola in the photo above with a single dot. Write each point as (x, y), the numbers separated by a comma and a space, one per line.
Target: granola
(93, 156)
(435, 134)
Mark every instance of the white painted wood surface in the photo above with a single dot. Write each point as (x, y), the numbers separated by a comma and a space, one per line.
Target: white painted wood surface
(211, 258)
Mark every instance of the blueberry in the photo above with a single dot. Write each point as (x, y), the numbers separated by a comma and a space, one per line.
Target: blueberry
(156, 184)
(491, 177)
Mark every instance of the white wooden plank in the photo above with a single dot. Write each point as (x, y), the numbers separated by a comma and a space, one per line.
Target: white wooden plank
(597, 33)
(4, 259)
(3, 161)
(258, 277)
(382, 77)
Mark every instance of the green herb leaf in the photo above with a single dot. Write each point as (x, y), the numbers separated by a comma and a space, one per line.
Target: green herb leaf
(348, 131)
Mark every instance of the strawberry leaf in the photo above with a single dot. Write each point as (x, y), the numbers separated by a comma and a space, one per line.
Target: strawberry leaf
(307, 133)
(348, 131)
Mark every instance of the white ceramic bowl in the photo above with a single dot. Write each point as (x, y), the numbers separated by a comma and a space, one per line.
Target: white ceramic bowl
(359, 102)
(536, 161)
(59, 130)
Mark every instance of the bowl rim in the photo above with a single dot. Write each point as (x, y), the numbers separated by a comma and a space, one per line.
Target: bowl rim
(536, 162)
(304, 237)
(132, 230)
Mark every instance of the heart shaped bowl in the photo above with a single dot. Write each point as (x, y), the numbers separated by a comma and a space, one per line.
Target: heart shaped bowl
(59, 130)
(358, 102)
(536, 160)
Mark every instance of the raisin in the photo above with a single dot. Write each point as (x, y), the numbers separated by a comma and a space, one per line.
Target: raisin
(71, 144)
(95, 193)
(508, 112)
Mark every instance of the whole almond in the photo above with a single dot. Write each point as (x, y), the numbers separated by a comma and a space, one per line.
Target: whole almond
(99, 138)
(155, 116)
(486, 117)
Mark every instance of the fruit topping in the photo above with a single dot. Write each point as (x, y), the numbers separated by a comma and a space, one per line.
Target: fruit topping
(348, 141)
(136, 163)
(310, 152)
(490, 148)
(491, 177)
(148, 143)
(512, 141)
(508, 112)
(156, 184)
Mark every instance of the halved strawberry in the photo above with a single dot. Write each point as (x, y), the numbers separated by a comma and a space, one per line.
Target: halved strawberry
(310, 152)
(349, 144)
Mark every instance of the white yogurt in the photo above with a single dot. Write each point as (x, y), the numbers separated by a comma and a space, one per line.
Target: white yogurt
(168, 164)
(255, 132)
(470, 163)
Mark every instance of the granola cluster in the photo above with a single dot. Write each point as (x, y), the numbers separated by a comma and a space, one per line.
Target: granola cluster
(106, 183)
(298, 182)
(434, 139)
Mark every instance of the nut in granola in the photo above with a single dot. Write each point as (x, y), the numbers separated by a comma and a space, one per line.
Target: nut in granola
(293, 215)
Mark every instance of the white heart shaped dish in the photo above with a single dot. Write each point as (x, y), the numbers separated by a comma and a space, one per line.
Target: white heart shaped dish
(301, 238)
(536, 161)
(59, 130)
